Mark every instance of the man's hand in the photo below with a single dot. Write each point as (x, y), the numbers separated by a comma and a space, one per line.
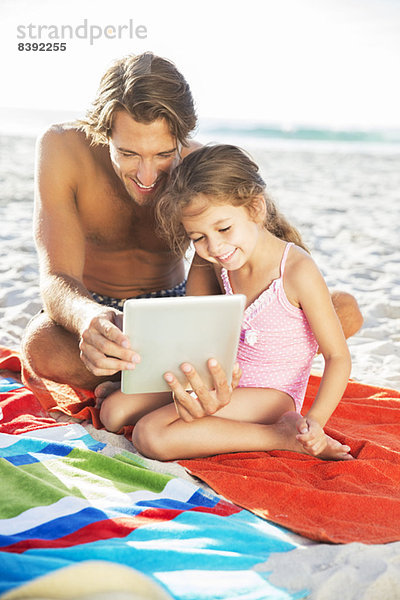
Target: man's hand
(104, 349)
(202, 401)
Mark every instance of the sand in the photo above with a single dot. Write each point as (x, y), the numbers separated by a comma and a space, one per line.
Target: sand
(345, 200)
(345, 203)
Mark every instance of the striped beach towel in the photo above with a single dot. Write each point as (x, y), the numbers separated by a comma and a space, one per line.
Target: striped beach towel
(64, 503)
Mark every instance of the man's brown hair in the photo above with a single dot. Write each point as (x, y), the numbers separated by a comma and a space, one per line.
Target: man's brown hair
(148, 88)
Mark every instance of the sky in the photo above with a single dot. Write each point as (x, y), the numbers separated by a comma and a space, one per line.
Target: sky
(320, 63)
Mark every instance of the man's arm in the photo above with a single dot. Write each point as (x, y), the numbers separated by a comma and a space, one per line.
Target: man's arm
(58, 234)
(61, 248)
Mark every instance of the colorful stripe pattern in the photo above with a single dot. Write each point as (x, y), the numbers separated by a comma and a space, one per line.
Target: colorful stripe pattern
(63, 502)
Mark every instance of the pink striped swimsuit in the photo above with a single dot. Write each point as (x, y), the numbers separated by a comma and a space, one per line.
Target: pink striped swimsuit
(277, 346)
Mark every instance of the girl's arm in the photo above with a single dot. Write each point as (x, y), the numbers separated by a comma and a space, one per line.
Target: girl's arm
(306, 285)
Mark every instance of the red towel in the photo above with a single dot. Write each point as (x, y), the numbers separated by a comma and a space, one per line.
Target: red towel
(52, 396)
(20, 412)
(74, 402)
(348, 501)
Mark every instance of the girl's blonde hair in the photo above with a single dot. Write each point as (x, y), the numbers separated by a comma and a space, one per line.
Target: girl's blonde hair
(224, 173)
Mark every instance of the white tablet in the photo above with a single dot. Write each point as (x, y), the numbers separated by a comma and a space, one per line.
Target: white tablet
(169, 331)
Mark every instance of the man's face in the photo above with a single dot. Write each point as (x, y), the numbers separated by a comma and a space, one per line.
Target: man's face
(142, 155)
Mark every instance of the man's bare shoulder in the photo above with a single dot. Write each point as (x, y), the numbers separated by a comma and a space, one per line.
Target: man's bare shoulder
(64, 144)
(64, 136)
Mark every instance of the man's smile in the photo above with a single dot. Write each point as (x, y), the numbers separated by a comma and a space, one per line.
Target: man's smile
(145, 188)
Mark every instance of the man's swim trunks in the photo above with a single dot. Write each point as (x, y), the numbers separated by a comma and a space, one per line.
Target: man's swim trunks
(178, 290)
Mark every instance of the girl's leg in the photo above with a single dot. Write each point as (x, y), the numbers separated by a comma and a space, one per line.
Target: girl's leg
(254, 420)
(120, 409)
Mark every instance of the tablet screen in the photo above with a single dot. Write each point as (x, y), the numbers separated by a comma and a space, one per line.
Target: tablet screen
(169, 331)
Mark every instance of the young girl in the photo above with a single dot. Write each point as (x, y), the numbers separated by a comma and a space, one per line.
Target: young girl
(216, 199)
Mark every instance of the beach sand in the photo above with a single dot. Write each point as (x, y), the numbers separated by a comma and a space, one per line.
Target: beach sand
(345, 201)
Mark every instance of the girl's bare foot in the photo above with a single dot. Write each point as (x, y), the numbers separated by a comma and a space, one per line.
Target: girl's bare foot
(104, 389)
(289, 425)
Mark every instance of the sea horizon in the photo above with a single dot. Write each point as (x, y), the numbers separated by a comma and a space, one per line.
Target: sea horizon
(18, 122)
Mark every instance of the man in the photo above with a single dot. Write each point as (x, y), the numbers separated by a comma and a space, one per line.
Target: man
(97, 182)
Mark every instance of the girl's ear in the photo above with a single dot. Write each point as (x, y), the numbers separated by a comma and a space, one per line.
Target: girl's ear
(258, 210)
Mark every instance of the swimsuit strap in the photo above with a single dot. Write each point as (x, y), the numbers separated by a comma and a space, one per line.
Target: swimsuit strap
(284, 257)
(225, 281)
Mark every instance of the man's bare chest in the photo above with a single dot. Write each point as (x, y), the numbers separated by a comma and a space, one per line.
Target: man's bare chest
(110, 218)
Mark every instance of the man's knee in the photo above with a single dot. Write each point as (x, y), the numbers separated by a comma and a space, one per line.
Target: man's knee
(348, 311)
(35, 341)
(45, 347)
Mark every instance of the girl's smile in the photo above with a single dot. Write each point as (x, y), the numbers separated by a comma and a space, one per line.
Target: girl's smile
(226, 257)
(221, 233)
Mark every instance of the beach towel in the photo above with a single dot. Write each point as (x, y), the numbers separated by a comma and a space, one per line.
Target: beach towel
(63, 503)
(351, 501)
(74, 402)
(346, 501)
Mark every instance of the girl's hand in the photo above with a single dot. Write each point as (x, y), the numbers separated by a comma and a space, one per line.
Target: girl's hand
(202, 402)
(311, 436)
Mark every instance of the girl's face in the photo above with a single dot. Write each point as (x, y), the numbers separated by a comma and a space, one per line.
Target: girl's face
(222, 233)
